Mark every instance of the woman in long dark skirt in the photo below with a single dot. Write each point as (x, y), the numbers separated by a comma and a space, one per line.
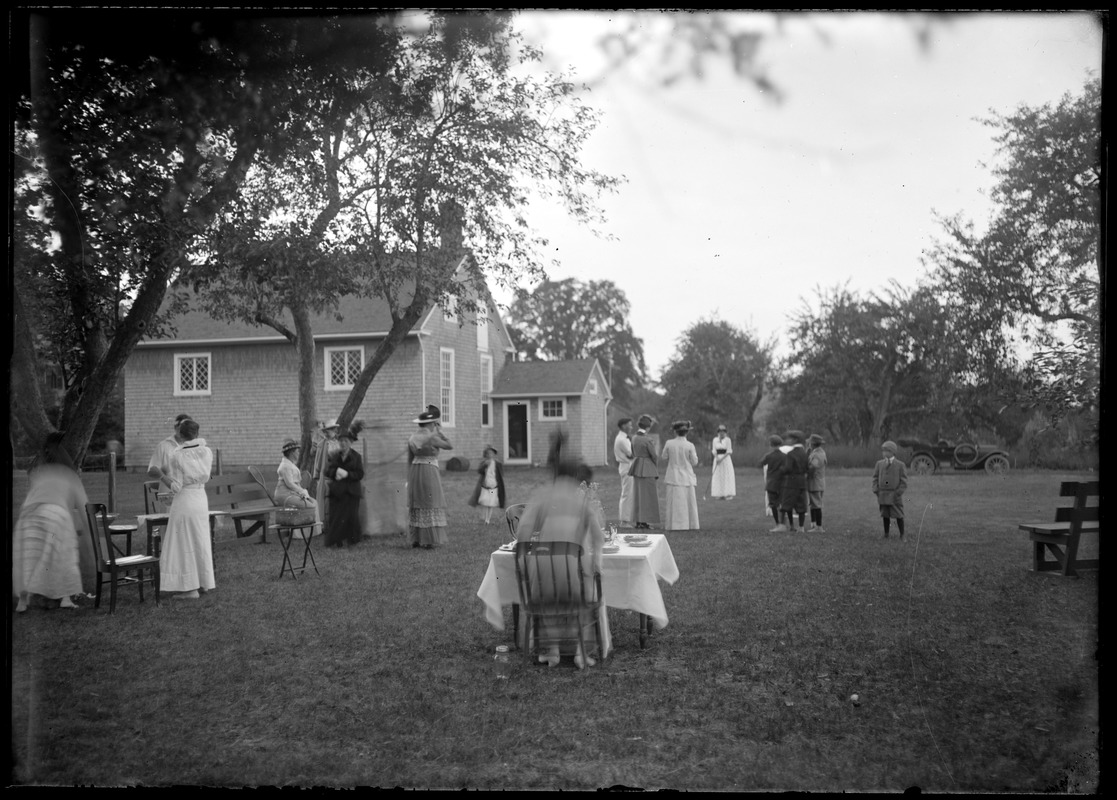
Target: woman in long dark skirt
(345, 471)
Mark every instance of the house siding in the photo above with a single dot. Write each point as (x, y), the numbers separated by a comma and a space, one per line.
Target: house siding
(253, 403)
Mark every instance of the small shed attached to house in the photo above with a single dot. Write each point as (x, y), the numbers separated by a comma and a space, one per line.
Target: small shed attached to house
(537, 398)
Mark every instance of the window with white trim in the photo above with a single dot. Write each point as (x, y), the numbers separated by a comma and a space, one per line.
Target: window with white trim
(486, 389)
(446, 384)
(450, 309)
(192, 374)
(343, 365)
(591, 384)
(552, 408)
(482, 330)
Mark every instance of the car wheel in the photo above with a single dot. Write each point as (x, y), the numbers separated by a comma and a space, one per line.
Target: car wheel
(996, 464)
(965, 455)
(923, 464)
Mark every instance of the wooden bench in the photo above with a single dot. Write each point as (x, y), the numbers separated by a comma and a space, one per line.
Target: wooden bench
(244, 499)
(1060, 538)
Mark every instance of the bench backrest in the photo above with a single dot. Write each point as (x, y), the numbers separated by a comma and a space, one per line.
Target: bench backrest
(237, 490)
(1079, 511)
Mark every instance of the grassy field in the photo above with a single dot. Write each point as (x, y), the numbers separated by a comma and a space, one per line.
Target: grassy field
(973, 674)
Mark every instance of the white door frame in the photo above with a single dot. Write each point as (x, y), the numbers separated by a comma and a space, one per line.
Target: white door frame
(527, 418)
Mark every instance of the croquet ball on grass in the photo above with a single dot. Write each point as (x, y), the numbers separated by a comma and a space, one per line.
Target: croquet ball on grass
(855, 699)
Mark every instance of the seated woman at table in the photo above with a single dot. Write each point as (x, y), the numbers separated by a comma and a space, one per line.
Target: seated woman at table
(46, 543)
(186, 560)
(289, 491)
(560, 513)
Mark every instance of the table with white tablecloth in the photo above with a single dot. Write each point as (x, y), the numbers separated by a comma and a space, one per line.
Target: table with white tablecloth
(629, 580)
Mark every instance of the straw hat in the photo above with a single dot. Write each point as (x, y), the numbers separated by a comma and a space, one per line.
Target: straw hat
(290, 445)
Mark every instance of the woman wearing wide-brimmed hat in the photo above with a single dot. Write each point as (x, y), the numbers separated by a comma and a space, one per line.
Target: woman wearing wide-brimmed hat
(289, 479)
(345, 471)
(645, 498)
(426, 505)
(679, 458)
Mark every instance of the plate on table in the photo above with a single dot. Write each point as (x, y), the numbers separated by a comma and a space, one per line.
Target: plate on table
(632, 538)
(643, 543)
(611, 548)
(508, 546)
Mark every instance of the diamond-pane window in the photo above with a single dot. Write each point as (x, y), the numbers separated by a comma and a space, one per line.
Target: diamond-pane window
(192, 372)
(343, 365)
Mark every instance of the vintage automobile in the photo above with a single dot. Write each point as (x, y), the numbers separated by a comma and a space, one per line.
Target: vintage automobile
(926, 457)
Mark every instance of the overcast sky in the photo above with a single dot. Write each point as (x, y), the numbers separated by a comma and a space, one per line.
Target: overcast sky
(739, 207)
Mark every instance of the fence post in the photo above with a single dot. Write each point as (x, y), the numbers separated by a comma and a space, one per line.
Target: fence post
(112, 483)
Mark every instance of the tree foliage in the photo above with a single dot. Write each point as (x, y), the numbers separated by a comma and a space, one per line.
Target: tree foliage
(717, 375)
(572, 319)
(401, 174)
(133, 146)
(1035, 274)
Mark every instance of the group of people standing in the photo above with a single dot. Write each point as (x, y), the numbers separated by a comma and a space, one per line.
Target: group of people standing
(795, 481)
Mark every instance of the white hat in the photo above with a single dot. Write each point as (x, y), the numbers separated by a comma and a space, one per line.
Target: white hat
(331, 424)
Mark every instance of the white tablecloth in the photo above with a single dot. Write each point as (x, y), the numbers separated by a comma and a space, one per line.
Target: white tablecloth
(629, 580)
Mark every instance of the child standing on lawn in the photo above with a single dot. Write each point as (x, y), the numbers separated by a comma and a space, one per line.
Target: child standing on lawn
(890, 480)
(773, 478)
(816, 480)
(489, 492)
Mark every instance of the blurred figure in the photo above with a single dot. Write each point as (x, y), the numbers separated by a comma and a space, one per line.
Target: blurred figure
(679, 458)
(890, 481)
(46, 542)
(562, 512)
(622, 451)
(345, 472)
(723, 483)
(489, 491)
(816, 480)
(645, 499)
(425, 502)
(773, 479)
(186, 560)
(326, 448)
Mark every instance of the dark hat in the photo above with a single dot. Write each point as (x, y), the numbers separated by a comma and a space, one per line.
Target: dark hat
(775, 441)
(681, 425)
(290, 445)
(816, 439)
(796, 436)
(890, 446)
(646, 421)
(432, 414)
(180, 418)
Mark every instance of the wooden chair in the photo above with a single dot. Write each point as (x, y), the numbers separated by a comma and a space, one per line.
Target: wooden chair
(561, 601)
(512, 516)
(1059, 539)
(119, 569)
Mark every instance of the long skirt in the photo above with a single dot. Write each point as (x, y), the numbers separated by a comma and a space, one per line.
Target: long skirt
(645, 501)
(45, 553)
(426, 506)
(681, 513)
(723, 483)
(186, 561)
(344, 522)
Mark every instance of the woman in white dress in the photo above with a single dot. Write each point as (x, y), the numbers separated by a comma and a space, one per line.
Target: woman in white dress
(680, 458)
(723, 484)
(186, 561)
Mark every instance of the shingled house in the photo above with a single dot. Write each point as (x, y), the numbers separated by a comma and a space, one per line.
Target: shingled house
(240, 382)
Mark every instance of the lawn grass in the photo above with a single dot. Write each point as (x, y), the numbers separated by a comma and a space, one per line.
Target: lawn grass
(973, 674)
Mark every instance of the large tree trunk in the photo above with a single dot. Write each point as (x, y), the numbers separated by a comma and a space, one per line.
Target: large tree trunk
(308, 397)
(26, 396)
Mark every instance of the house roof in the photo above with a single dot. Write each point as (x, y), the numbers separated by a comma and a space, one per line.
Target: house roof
(537, 378)
(359, 317)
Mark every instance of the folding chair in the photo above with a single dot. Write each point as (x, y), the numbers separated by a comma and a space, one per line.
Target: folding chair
(117, 568)
(561, 601)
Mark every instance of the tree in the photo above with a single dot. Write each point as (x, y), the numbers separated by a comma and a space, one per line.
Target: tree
(861, 367)
(717, 375)
(1035, 275)
(132, 147)
(570, 319)
(395, 176)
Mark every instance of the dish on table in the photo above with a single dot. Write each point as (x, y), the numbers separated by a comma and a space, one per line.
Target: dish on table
(611, 548)
(644, 543)
(508, 546)
(635, 537)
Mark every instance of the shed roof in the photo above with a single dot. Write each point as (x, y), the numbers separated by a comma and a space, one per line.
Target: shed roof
(536, 378)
